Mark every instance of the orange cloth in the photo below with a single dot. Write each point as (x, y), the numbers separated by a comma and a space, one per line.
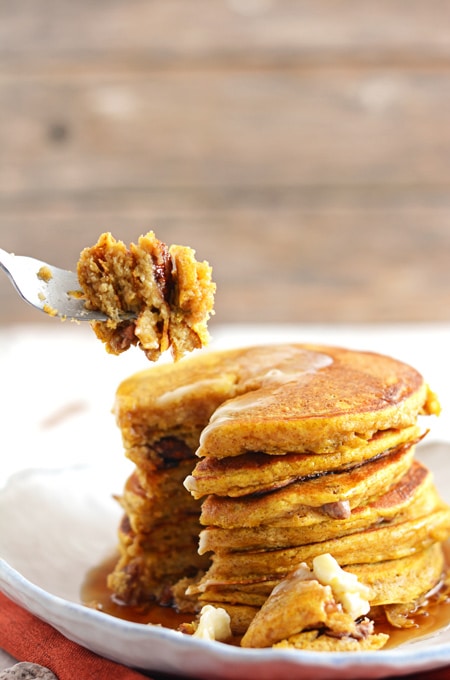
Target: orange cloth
(27, 638)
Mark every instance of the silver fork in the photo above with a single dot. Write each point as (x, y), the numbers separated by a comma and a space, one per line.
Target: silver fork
(50, 289)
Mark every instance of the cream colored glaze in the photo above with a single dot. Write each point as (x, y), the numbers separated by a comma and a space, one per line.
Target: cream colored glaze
(280, 364)
(291, 365)
(191, 388)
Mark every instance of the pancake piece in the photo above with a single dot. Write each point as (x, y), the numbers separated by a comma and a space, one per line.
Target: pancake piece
(287, 452)
(158, 536)
(156, 297)
(308, 600)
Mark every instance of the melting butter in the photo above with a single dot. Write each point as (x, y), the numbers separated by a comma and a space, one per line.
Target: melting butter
(214, 624)
(347, 590)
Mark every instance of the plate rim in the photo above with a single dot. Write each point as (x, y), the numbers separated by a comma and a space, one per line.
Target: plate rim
(63, 614)
(31, 594)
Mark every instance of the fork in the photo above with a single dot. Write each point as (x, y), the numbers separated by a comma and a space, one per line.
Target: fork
(47, 288)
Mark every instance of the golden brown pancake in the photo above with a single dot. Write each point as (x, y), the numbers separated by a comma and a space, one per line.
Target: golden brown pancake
(255, 472)
(363, 482)
(301, 604)
(374, 545)
(150, 564)
(145, 498)
(324, 400)
(158, 535)
(404, 580)
(401, 582)
(414, 495)
(178, 400)
(315, 641)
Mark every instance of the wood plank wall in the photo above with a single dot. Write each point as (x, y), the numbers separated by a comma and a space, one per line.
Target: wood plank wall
(301, 146)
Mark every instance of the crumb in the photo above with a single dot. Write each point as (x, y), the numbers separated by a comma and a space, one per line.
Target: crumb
(51, 311)
(45, 274)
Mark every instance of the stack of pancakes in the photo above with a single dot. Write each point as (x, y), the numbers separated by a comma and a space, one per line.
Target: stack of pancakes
(304, 450)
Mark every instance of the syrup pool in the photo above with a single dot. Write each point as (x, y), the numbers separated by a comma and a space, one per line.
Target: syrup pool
(432, 617)
(95, 594)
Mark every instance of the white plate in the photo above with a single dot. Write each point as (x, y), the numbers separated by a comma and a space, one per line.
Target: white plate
(55, 525)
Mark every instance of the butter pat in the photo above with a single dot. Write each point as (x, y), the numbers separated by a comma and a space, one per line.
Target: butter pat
(214, 624)
(347, 590)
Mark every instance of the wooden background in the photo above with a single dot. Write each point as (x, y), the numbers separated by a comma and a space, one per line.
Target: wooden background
(302, 147)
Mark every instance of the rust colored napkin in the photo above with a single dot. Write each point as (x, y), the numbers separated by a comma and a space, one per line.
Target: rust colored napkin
(27, 638)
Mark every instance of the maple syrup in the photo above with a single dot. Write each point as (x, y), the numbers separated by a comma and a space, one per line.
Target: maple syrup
(429, 619)
(96, 594)
(433, 616)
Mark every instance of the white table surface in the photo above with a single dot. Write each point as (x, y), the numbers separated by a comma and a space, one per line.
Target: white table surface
(53, 375)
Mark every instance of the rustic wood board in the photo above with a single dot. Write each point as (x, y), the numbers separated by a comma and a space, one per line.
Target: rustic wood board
(301, 147)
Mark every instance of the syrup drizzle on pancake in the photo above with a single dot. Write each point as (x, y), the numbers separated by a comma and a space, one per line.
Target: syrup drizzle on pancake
(285, 365)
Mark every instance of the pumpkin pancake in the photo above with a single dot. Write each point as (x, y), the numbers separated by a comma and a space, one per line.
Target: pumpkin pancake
(400, 581)
(337, 400)
(144, 498)
(353, 486)
(413, 495)
(301, 604)
(255, 472)
(151, 562)
(405, 581)
(373, 545)
(171, 400)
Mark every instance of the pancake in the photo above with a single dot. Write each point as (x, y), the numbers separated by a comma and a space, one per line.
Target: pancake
(287, 452)
(414, 495)
(301, 604)
(150, 563)
(321, 400)
(255, 472)
(178, 400)
(319, 642)
(167, 293)
(370, 546)
(403, 581)
(158, 535)
(145, 499)
(352, 487)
